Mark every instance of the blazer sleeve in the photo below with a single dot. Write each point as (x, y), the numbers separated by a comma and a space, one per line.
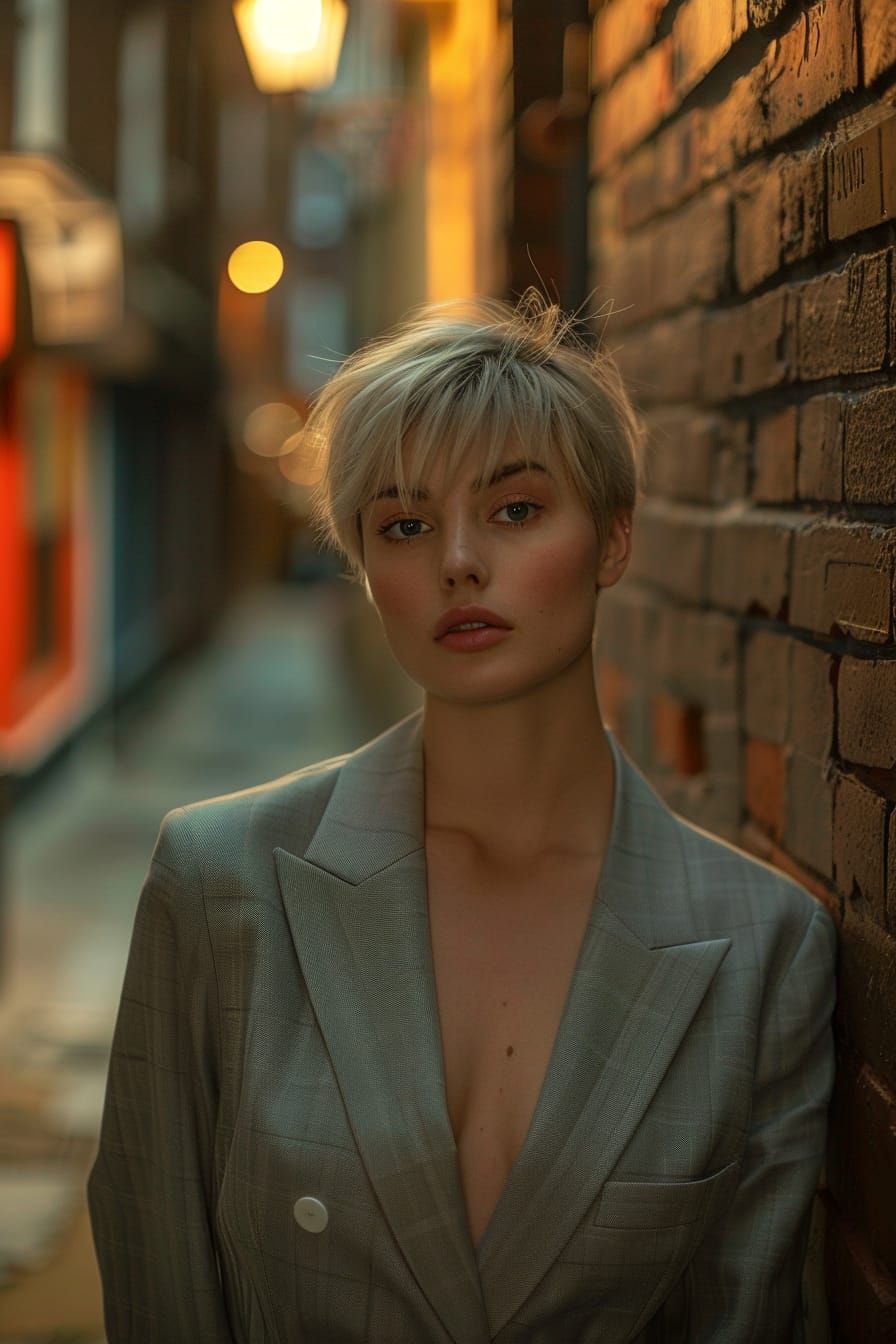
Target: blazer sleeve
(743, 1285)
(149, 1192)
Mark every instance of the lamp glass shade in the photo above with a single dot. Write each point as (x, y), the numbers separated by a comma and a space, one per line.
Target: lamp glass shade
(291, 44)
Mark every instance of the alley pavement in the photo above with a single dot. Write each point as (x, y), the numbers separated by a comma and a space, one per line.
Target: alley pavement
(285, 681)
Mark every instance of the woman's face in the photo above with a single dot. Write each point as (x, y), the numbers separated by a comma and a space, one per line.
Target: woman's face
(487, 589)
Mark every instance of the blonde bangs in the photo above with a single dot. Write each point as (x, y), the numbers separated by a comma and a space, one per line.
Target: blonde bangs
(454, 386)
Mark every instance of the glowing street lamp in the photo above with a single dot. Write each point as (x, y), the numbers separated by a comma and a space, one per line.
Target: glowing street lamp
(291, 44)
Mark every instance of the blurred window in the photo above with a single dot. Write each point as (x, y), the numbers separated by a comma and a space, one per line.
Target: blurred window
(39, 94)
(141, 142)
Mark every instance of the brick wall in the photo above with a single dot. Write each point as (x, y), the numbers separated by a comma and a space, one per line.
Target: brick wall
(743, 191)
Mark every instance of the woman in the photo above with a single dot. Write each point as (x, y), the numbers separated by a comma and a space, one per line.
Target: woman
(465, 1036)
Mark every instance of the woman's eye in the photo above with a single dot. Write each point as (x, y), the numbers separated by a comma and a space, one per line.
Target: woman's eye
(519, 511)
(404, 528)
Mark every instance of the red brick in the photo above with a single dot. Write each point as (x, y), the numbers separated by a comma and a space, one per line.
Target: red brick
(811, 66)
(622, 29)
(843, 319)
(862, 1295)
(627, 272)
(687, 273)
(764, 785)
(878, 19)
(750, 562)
(891, 873)
(721, 740)
(733, 461)
(811, 701)
(842, 580)
(757, 225)
(870, 449)
(820, 435)
(862, 180)
(860, 839)
(677, 734)
(865, 1019)
(861, 1169)
(671, 548)
(774, 462)
(766, 686)
(866, 703)
(634, 106)
(626, 618)
(701, 36)
(809, 814)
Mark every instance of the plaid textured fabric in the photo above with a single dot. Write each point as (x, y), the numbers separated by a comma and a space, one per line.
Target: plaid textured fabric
(278, 1040)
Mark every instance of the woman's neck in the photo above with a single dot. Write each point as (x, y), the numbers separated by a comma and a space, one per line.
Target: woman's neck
(521, 776)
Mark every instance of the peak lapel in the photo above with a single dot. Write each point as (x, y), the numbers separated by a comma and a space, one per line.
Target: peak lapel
(356, 904)
(631, 1001)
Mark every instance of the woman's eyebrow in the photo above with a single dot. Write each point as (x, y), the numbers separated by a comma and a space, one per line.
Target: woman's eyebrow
(502, 473)
(510, 469)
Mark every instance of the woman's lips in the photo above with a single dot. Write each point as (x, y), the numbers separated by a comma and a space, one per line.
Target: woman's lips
(469, 629)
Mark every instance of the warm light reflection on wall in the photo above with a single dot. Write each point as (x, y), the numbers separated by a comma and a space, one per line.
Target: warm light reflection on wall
(291, 44)
(255, 267)
(460, 188)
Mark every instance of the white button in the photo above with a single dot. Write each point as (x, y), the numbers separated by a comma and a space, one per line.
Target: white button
(310, 1214)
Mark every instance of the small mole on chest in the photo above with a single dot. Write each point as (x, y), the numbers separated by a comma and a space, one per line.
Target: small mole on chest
(509, 1051)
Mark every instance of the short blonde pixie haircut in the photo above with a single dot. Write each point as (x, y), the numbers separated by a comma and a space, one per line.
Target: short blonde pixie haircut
(475, 376)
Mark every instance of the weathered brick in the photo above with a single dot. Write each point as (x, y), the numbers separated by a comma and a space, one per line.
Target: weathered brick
(764, 785)
(664, 363)
(820, 435)
(891, 873)
(621, 30)
(862, 1296)
(862, 180)
(766, 684)
(843, 319)
(677, 734)
(867, 712)
(762, 12)
(842, 580)
(679, 159)
(870, 449)
(634, 106)
(685, 273)
(701, 36)
(733, 460)
(811, 66)
(866, 1006)
(757, 225)
(750, 564)
(809, 814)
(678, 530)
(694, 656)
(878, 37)
(861, 1167)
(626, 617)
(811, 701)
(774, 459)
(722, 744)
(627, 269)
(750, 348)
(736, 127)
(860, 839)
(802, 224)
(638, 191)
(682, 455)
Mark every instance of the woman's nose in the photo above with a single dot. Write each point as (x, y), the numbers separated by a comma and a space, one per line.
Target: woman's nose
(462, 561)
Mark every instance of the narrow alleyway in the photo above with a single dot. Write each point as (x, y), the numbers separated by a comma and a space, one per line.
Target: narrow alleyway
(273, 691)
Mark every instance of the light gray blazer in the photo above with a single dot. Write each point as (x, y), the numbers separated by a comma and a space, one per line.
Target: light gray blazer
(278, 1039)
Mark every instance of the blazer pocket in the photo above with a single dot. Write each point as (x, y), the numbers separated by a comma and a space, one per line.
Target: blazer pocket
(651, 1205)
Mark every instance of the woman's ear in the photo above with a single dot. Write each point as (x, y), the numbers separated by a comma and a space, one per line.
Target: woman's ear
(617, 551)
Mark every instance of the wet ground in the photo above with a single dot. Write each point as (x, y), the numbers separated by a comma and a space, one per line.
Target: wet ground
(292, 676)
